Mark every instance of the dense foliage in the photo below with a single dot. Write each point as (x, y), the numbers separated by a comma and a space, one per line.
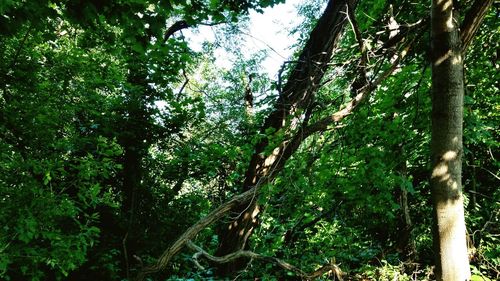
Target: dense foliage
(116, 136)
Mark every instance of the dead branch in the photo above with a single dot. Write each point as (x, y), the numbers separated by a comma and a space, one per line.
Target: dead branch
(189, 234)
(329, 268)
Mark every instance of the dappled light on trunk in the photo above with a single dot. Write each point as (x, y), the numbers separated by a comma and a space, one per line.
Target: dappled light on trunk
(451, 256)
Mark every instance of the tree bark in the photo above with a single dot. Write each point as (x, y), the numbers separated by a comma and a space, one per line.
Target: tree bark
(296, 95)
(452, 263)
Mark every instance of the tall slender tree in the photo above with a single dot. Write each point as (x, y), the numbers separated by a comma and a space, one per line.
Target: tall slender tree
(446, 144)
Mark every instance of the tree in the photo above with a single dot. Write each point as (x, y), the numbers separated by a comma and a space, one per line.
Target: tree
(288, 125)
(452, 262)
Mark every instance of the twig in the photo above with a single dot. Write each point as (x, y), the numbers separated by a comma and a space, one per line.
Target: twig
(186, 81)
(490, 172)
(357, 34)
(280, 73)
(263, 42)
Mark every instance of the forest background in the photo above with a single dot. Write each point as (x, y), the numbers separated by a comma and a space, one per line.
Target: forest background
(127, 155)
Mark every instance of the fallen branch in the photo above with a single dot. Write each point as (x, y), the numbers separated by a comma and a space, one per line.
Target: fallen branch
(189, 234)
(328, 268)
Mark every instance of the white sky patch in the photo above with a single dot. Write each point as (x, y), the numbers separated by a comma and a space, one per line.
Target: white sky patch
(271, 29)
(268, 31)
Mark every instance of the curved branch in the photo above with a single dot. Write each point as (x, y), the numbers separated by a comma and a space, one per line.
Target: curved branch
(328, 268)
(177, 26)
(189, 234)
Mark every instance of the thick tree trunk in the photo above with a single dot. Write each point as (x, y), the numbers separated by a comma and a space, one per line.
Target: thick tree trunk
(452, 262)
(132, 175)
(297, 94)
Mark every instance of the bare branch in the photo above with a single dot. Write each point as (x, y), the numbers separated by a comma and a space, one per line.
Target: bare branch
(263, 42)
(329, 268)
(177, 26)
(186, 81)
(357, 34)
(280, 74)
(189, 234)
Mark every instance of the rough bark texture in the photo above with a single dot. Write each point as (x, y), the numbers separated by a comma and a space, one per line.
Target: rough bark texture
(452, 262)
(302, 83)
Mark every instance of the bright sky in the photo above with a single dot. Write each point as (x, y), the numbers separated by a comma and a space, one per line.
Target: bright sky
(272, 27)
(267, 30)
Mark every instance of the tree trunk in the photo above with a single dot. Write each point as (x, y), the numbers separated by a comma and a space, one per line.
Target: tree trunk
(132, 176)
(450, 246)
(297, 94)
(405, 241)
(135, 141)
